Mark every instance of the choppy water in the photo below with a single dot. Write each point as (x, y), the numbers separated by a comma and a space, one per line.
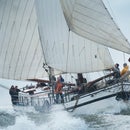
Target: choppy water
(58, 119)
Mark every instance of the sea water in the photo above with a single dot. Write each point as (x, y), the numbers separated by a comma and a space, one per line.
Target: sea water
(59, 119)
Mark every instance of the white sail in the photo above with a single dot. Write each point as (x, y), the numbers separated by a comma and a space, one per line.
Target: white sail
(63, 49)
(21, 55)
(91, 19)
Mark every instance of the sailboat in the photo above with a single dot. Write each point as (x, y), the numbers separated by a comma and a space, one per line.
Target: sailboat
(58, 37)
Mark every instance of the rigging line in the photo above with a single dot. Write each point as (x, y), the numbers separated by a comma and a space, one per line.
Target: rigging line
(21, 46)
(85, 53)
(67, 50)
(91, 53)
(123, 56)
(108, 3)
(5, 31)
(29, 45)
(38, 66)
(41, 43)
(43, 50)
(67, 5)
(3, 14)
(69, 36)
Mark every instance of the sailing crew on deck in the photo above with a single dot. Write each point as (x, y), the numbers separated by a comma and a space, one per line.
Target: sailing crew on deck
(58, 90)
(61, 78)
(125, 69)
(12, 94)
(16, 94)
(13, 91)
(116, 71)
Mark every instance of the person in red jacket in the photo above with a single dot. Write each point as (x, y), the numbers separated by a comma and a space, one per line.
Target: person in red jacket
(58, 90)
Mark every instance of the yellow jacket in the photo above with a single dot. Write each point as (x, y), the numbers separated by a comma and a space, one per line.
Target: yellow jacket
(124, 70)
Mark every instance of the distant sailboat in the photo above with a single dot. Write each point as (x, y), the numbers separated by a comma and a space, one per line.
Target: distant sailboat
(68, 36)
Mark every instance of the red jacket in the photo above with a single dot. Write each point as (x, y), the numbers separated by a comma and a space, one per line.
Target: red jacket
(58, 88)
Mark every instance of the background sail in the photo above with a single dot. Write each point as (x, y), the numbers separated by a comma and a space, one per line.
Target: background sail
(63, 49)
(91, 19)
(21, 55)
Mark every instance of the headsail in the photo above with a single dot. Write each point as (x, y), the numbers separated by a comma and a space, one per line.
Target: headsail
(91, 19)
(63, 49)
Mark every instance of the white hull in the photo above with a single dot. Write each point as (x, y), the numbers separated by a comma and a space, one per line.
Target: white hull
(103, 100)
(99, 101)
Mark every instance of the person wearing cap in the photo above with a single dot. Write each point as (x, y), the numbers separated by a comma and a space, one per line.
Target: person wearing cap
(125, 69)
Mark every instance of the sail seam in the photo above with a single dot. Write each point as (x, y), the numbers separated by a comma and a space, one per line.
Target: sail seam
(5, 32)
(29, 45)
(3, 15)
(17, 59)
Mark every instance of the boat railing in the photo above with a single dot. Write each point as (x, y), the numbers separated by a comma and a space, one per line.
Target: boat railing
(120, 84)
(38, 98)
(71, 92)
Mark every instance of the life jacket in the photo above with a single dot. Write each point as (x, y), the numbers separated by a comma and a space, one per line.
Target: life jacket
(125, 69)
(58, 88)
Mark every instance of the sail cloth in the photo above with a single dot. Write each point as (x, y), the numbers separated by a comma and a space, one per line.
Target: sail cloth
(21, 55)
(91, 19)
(63, 48)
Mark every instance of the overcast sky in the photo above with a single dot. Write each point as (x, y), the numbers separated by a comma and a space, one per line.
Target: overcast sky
(121, 11)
